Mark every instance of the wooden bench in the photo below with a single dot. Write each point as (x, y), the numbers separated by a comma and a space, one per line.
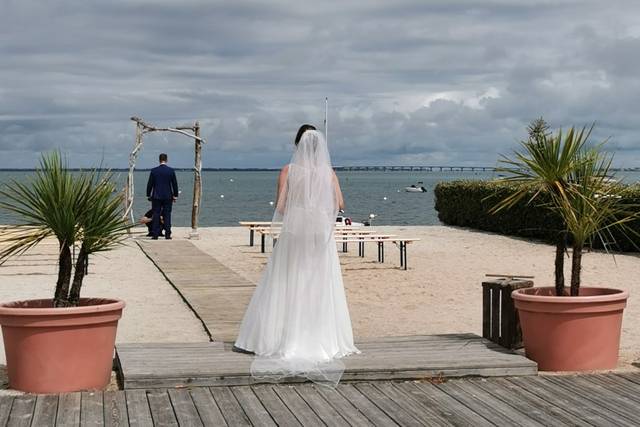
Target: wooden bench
(252, 226)
(354, 236)
(340, 230)
(256, 225)
(380, 240)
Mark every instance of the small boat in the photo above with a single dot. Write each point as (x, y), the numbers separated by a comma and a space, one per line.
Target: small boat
(343, 220)
(415, 188)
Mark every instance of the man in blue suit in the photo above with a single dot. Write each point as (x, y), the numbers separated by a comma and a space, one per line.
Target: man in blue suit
(162, 190)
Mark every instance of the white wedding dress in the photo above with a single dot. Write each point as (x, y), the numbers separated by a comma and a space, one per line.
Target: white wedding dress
(297, 322)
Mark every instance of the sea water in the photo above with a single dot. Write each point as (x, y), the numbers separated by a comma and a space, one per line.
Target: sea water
(232, 196)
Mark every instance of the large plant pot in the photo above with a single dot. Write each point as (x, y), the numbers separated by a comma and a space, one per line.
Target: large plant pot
(571, 333)
(54, 350)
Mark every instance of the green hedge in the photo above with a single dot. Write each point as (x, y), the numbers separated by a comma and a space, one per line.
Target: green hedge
(467, 204)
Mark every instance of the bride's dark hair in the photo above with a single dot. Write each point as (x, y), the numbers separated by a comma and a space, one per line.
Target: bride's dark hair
(302, 130)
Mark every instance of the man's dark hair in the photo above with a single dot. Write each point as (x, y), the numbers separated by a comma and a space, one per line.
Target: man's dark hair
(302, 130)
(163, 157)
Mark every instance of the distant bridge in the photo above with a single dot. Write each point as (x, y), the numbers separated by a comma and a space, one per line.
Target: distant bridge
(418, 168)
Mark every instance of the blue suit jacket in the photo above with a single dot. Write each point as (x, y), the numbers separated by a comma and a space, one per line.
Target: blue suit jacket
(162, 184)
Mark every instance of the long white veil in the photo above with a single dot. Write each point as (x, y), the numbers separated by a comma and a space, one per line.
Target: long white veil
(300, 305)
(308, 204)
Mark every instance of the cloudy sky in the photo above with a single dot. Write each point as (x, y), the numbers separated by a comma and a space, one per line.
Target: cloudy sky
(424, 82)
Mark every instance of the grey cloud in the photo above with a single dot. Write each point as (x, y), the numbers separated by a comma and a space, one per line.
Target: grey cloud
(405, 79)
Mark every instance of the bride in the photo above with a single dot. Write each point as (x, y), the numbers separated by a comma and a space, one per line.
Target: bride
(297, 322)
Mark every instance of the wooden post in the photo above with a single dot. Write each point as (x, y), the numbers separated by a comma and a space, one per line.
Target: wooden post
(197, 184)
(129, 189)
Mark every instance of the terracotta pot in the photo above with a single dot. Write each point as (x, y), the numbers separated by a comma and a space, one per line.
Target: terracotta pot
(54, 350)
(571, 333)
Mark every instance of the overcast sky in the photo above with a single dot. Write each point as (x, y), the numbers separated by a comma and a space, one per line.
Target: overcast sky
(409, 82)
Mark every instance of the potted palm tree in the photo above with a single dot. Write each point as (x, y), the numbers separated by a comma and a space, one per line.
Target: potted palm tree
(64, 343)
(576, 328)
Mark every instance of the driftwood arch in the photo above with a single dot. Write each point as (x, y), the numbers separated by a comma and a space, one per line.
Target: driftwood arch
(143, 128)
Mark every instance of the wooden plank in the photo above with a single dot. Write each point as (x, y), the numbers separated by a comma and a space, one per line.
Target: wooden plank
(349, 412)
(422, 338)
(486, 404)
(161, 409)
(44, 413)
(607, 401)
(447, 407)
(207, 407)
(556, 408)
(617, 384)
(610, 391)
(495, 314)
(391, 408)
(433, 355)
(152, 347)
(207, 364)
(297, 406)
(366, 375)
(115, 409)
(217, 295)
(370, 350)
(320, 406)
(138, 408)
(68, 409)
(634, 378)
(507, 319)
(5, 408)
(274, 405)
(559, 397)
(365, 406)
(22, 411)
(184, 408)
(486, 310)
(252, 407)
(415, 408)
(92, 409)
(229, 406)
(146, 351)
(528, 403)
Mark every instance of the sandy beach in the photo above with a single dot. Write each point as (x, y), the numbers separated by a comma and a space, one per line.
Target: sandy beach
(440, 293)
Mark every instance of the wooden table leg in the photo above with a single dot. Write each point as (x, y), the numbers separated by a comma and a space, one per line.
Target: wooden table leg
(404, 250)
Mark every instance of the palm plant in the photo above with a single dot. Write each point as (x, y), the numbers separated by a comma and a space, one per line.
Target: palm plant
(74, 208)
(593, 207)
(574, 182)
(542, 170)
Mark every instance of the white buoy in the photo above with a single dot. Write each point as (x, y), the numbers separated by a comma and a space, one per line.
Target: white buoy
(222, 196)
(231, 180)
(384, 198)
(271, 203)
(372, 216)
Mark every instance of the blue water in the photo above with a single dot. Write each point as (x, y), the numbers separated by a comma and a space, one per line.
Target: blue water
(247, 195)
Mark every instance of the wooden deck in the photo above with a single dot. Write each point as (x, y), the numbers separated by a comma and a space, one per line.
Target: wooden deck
(217, 295)
(393, 358)
(589, 400)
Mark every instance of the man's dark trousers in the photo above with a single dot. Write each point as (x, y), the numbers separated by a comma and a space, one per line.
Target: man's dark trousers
(161, 207)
